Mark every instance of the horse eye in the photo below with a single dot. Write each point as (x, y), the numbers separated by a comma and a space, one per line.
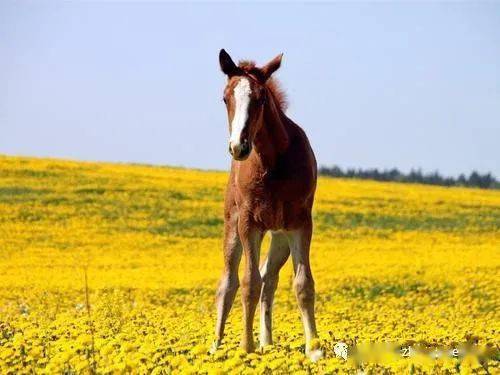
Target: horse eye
(224, 100)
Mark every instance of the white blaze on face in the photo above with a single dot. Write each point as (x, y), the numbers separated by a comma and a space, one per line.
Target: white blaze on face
(242, 93)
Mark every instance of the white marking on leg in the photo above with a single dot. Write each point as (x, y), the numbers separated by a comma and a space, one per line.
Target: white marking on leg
(242, 93)
(264, 336)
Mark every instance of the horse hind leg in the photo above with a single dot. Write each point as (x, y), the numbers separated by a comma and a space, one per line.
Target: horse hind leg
(278, 254)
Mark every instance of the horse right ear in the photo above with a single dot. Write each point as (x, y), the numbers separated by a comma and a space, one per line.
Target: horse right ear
(226, 63)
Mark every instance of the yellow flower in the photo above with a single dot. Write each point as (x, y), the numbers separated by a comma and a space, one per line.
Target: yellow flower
(131, 256)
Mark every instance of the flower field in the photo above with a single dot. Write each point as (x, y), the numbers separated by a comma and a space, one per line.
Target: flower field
(112, 268)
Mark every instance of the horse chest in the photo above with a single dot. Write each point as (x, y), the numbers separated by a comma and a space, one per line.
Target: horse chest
(266, 207)
(274, 199)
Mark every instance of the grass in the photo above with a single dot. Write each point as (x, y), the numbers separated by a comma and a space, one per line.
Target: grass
(112, 268)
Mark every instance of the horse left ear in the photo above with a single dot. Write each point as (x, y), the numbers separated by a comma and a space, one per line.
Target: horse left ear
(272, 66)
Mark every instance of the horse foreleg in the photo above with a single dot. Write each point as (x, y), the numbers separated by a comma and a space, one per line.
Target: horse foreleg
(303, 283)
(229, 283)
(251, 240)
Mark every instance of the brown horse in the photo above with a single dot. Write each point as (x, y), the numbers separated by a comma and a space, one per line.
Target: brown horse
(271, 188)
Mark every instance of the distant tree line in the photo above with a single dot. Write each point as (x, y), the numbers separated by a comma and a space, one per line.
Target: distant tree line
(475, 179)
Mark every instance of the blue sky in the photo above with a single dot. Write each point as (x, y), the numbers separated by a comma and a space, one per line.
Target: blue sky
(373, 84)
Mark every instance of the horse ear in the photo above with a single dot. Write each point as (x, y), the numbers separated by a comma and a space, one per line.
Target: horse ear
(226, 63)
(272, 66)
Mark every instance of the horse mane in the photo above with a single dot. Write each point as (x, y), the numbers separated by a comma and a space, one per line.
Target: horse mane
(272, 84)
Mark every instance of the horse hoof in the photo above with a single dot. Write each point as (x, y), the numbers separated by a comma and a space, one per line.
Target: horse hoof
(264, 347)
(214, 347)
(247, 347)
(315, 355)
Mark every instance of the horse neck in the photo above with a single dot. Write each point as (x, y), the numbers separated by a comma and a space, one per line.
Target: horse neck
(272, 138)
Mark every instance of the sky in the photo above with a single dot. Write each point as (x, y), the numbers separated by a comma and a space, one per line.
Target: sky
(385, 84)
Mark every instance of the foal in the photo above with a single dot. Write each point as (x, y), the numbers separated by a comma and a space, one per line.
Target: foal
(271, 188)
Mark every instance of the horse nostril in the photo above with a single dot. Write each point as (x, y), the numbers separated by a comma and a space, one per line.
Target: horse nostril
(244, 146)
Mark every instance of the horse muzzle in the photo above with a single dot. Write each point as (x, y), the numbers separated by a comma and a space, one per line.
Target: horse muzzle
(240, 151)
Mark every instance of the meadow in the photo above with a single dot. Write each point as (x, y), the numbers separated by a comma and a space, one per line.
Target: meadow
(112, 268)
